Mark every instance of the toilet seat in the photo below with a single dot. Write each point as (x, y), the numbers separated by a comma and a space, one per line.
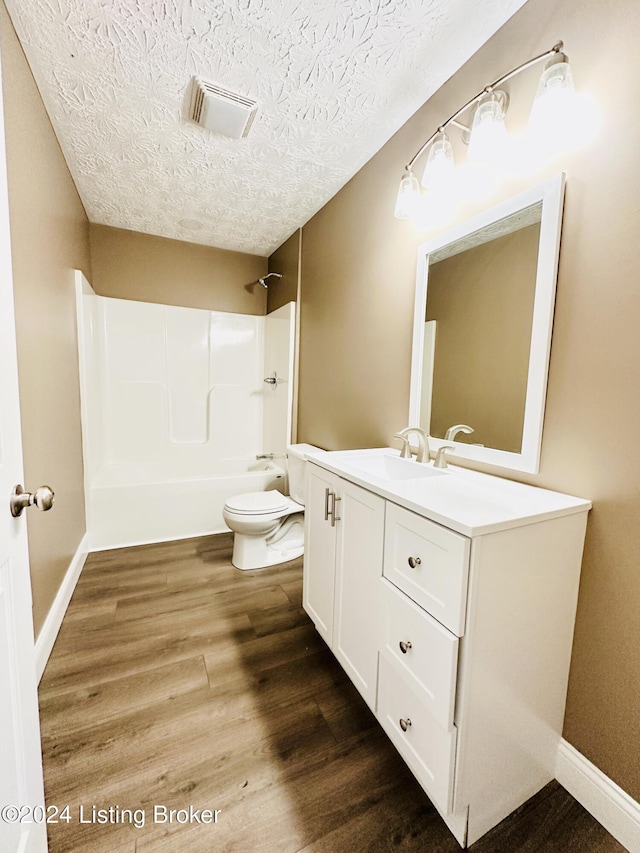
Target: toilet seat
(262, 503)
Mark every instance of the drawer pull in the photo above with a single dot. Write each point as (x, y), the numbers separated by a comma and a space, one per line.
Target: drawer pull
(335, 517)
(414, 561)
(404, 647)
(405, 724)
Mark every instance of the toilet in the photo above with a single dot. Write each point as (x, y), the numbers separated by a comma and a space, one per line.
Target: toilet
(268, 526)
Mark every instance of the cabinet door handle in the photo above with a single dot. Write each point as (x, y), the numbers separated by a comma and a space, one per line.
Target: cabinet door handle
(326, 503)
(405, 724)
(414, 561)
(334, 517)
(404, 647)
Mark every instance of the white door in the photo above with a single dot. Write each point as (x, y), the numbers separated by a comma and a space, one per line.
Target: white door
(21, 788)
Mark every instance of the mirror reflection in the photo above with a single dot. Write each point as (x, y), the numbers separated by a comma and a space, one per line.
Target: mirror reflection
(479, 314)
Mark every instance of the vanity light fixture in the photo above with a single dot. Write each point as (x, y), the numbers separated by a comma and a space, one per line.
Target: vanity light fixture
(409, 197)
(487, 136)
(440, 166)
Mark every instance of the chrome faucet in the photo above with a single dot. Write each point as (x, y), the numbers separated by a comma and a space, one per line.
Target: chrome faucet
(451, 433)
(423, 443)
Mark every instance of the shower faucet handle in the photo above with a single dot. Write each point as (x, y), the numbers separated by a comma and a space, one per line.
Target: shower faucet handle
(274, 380)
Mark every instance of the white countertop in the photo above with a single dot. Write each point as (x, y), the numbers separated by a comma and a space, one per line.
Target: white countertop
(466, 501)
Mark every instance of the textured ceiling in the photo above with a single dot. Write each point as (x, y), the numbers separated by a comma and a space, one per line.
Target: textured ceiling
(333, 80)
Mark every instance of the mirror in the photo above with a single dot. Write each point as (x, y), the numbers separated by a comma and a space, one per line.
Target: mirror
(485, 294)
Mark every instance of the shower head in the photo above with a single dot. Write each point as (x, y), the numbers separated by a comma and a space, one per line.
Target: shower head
(263, 280)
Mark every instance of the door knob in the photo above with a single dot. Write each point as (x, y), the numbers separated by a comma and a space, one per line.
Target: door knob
(43, 498)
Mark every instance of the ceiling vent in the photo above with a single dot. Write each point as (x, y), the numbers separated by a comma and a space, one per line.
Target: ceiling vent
(220, 110)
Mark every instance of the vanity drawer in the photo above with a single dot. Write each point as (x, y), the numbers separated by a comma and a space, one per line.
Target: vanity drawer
(428, 748)
(419, 646)
(429, 563)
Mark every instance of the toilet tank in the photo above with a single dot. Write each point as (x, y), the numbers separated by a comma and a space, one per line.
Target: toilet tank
(296, 459)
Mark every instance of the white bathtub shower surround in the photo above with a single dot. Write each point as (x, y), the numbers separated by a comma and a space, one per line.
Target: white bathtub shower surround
(175, 411)
(277, 399)
(151, 510)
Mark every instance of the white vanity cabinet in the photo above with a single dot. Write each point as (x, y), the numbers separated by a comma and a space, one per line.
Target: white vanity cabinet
(344, 529)
(451, 602)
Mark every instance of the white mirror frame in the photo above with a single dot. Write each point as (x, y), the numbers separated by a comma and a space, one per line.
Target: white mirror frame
(551, 194)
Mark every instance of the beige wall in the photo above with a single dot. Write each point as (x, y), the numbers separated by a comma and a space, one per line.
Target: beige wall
(286, 261)
(129, 265)
(49, 238)
(358, 268)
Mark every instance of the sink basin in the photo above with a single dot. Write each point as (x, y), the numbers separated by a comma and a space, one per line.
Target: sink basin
(391, 468)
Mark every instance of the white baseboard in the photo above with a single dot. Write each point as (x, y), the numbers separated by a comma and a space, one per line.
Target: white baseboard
(134, 543)
(49, 631)
(600, 796)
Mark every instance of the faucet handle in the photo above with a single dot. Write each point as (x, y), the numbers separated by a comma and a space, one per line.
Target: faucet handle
(405, 453)
(441, 459)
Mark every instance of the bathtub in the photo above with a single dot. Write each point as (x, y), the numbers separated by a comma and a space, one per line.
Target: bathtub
(138, 504)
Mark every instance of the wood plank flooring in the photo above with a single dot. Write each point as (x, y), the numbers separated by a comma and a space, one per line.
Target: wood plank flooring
(179, 682)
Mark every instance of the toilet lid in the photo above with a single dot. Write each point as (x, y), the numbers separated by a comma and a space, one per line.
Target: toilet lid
(257, 502)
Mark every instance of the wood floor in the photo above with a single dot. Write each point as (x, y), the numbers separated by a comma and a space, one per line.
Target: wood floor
(179, 682)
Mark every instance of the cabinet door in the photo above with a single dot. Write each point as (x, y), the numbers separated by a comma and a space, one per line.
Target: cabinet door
(319, 550)
(358, 573)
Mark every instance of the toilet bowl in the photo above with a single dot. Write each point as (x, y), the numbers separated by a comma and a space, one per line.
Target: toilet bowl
(268, 526)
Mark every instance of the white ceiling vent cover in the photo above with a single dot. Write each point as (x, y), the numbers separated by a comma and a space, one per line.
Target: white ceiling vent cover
(220, 110)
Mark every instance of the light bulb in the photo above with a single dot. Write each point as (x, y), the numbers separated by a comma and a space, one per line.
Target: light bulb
(409, 196)
(555, 85)
(560, 120)
(488, 141)
(439, 173)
